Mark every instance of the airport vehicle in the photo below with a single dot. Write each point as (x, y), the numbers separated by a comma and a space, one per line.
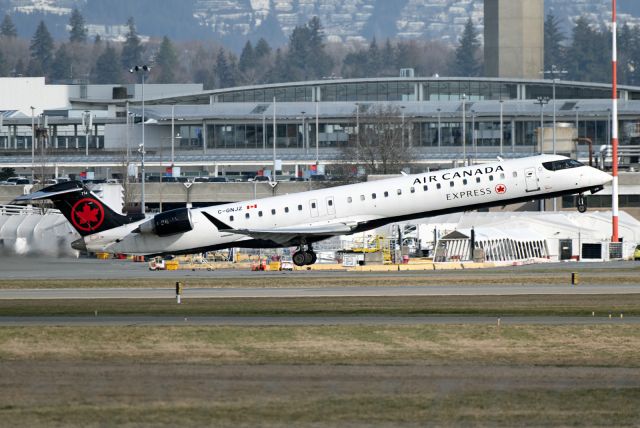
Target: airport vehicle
(304, 218)
(157, 263)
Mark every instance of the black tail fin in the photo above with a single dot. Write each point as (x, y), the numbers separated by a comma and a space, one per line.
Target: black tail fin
(84, 210)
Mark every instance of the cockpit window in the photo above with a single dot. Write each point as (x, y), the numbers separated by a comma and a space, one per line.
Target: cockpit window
(562, 164)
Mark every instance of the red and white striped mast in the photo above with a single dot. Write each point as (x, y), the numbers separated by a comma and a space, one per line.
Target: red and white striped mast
(614, 127)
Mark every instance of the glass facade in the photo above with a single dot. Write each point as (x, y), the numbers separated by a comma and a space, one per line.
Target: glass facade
(473, 90)
(371, 91)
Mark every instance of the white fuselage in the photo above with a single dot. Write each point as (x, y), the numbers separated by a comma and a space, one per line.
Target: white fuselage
(363, 206)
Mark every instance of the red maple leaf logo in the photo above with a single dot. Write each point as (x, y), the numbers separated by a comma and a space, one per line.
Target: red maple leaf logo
(88, 215)
(501, 188)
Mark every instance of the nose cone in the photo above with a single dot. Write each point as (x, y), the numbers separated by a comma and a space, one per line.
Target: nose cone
(601, 178)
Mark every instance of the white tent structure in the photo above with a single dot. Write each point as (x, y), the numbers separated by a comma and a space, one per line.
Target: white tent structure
(528, 236)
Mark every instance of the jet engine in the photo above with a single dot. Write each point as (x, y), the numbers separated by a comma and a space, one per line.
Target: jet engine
(168, 223)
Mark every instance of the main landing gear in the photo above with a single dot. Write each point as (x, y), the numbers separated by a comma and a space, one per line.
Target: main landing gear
(304, 257)
(581, 203)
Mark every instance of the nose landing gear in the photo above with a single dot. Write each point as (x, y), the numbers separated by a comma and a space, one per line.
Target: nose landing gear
(581, 203)
(304, 257)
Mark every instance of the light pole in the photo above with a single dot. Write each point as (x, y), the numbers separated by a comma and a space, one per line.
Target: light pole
(357, 133)
(142, 69)
(439, 130)
(275, 135)
(304, 140)
(464, 130)
(173, 135)
(33, 140)
(553, 72)
(402, 137)
(577, 123)
(317, 135)
(542, 101)
(473, 134)
(502, 126)
(87, 123)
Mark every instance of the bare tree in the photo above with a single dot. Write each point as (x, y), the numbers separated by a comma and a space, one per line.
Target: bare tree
(382, 144)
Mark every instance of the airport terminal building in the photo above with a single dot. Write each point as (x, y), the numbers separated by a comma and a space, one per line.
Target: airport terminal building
(231, 131)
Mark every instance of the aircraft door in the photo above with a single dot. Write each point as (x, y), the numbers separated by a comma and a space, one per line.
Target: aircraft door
(331, 206)
(531, 180)
(313, 206)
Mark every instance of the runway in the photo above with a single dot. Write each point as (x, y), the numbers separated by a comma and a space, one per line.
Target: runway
(386, 291)
(305, 320)
(22, 267)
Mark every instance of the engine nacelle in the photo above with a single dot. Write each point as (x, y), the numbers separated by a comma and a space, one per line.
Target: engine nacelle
(169, 223)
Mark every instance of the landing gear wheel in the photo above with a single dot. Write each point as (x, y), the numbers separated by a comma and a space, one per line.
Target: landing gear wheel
(581, 204)
(310, 257)
(299, 258)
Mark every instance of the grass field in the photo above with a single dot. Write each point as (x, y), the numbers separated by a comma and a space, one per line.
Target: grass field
(325, 376)
(320, 376)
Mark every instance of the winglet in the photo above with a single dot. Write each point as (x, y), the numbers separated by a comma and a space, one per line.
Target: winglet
(217, 223)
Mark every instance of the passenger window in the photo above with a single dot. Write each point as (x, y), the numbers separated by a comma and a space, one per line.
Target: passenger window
(231, 218)
(330, 203)
(515, 174)
(477, 179)
(399, 191)
(373, 196)
(425, 187)
(362, 197)
(299, 207)
(259, 213)
(438, 186)
(386, 194)
(349, 199)
(451, 184)
(246, 215)
(465, 182)
(491, 178)
(273, 212)
(286, 209)
(313, 204)
(502, 175)
(413, 190)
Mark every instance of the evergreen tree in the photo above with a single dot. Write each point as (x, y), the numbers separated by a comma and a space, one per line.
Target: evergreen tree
(262, 49)
(553, 38)
(588, 58)
(355, 65)
(107, 68)
(247, 57)
(278, 72)
(97, 41)
(4, 67)
(78, 32)
(61, 66)
(41, 50)
(374, 58)
(224, 70)
(388, 60)
(465, 63)
(132, 49)
(167, 62)
(7, 28)
(307, 58)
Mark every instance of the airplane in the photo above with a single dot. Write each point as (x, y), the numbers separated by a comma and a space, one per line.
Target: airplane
(302, 219)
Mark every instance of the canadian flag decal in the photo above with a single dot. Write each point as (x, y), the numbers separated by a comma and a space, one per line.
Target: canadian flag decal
(252, 206)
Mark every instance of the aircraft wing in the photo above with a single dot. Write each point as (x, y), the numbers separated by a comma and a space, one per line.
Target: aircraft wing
(285, 235)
